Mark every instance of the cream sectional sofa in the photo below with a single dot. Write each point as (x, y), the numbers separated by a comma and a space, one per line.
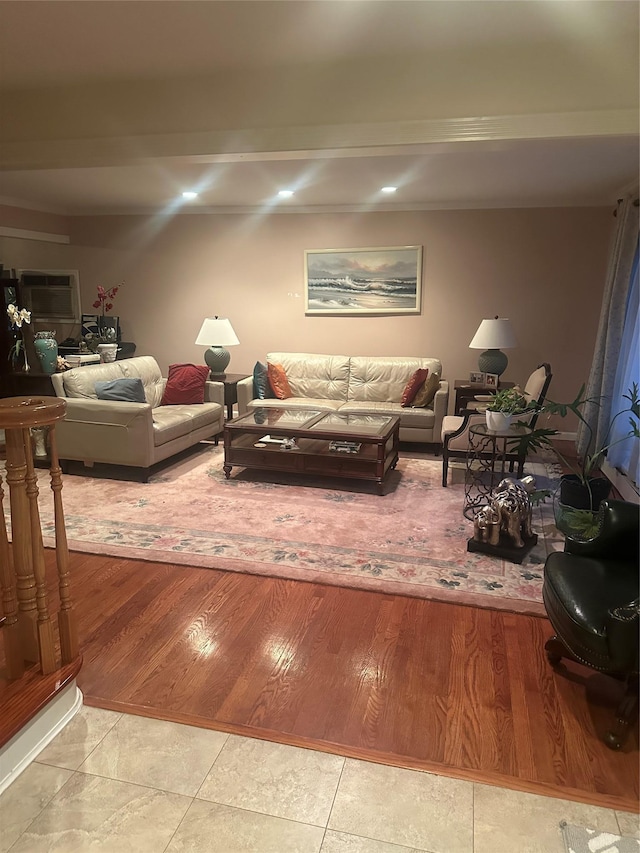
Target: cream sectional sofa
(133, 434)
(355, 384)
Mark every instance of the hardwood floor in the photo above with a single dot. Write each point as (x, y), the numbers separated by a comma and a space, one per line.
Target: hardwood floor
(415, 683)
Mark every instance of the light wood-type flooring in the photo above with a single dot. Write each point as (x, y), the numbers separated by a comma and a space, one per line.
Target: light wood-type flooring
(456, 690)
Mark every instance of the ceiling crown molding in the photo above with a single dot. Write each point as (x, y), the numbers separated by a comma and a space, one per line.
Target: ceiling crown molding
(326, 140)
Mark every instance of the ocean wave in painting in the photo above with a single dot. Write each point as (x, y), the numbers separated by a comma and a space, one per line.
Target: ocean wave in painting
(347, 284)
(363, 293)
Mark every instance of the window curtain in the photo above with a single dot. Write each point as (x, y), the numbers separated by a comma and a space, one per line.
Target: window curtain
(611, 327)
(624, 455)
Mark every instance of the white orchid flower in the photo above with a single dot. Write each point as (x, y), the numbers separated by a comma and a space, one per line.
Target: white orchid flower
(17, 318)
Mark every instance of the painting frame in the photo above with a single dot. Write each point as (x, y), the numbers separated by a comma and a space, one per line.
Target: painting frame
(363, 281)
(476, 377)
(491, 380)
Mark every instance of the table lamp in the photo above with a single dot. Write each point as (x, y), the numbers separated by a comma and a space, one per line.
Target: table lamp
(217, 333)
(493, 336)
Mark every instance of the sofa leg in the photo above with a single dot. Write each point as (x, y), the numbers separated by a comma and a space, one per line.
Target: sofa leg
(626, 714)
(445, 469)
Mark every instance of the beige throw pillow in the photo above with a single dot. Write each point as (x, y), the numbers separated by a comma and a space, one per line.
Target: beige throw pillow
(427, 392)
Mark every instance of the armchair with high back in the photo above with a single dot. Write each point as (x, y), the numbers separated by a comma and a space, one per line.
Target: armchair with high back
(590, 592)
(455, 428)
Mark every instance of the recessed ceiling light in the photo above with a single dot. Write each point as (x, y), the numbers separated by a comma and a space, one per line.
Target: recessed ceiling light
(388, 189)
(189, 194)
(285, 193)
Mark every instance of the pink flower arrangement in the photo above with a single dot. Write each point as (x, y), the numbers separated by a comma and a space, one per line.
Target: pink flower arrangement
(106, 297)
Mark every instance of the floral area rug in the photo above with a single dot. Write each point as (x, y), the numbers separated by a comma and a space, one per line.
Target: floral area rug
(412, 540)
(580, 839)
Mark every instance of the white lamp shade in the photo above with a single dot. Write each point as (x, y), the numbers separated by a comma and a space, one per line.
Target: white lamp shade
(494, 334)
(217, 332)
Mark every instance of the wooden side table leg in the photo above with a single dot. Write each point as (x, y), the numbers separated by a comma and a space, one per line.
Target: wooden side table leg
(12, 649)
(69, 647)
(21, 537)
(45, 627)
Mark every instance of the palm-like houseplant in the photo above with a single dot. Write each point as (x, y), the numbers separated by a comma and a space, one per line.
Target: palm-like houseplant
(582, 490)
(585, 470)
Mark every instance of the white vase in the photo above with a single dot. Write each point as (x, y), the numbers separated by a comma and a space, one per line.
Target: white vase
(107, 352)
(498, 421)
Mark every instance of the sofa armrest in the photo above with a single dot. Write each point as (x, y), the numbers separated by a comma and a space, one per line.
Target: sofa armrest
(106, 431)
(245, 394)
(214, 392)
(440, 406)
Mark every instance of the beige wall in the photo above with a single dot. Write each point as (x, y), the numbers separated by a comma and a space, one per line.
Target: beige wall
(544, 269)
(33, 220)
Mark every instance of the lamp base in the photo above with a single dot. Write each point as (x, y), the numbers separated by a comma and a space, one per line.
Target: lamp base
(493, 361)
(217, 360)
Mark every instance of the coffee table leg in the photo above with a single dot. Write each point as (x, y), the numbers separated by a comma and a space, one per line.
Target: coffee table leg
(227, 471)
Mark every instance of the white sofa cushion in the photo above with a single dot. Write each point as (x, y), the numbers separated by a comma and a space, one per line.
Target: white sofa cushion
(384, 379)
(81, 381)
(318, 403)
(313, 375)
(420, 418)
(171, 422)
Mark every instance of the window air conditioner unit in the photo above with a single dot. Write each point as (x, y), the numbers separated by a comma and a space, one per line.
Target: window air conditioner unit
(51, 294)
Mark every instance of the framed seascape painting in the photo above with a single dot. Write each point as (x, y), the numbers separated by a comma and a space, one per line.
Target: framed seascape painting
(363, 281)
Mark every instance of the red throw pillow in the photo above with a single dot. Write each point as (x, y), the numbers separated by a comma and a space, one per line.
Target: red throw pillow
(413, 386)
(185, 384)
(278, 381)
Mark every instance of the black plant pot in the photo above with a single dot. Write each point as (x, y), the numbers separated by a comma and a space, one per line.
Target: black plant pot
(574, 493)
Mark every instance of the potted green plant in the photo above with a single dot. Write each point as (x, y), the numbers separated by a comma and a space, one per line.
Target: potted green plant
(583, 488)
(503, 407)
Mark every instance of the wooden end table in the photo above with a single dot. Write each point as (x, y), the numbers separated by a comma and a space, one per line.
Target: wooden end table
(465, 392)
(230, 382)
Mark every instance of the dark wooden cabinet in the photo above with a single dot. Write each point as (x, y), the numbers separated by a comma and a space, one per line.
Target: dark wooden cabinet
(20, 384)
(9, 294)
(12, 377)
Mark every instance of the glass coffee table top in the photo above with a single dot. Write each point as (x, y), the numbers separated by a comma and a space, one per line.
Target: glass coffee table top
(313, 421)
(282, 418)
(356, 424)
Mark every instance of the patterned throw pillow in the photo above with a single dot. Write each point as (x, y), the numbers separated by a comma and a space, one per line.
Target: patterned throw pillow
(121, 390)
(262, 390)
(185, 384)
(425, 395)
(413, 386)
(279, 382)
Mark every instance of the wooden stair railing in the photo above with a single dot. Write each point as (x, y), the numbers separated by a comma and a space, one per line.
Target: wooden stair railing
(28, 626)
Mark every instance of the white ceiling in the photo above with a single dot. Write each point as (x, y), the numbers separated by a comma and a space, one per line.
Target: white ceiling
(49, 44)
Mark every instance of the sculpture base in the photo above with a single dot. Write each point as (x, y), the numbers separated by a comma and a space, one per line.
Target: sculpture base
(504, 548)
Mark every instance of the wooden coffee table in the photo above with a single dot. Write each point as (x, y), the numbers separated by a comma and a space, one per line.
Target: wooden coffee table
(254, 440)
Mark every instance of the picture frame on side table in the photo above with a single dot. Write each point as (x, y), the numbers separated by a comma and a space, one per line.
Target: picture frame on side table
(96, 324)
(385, 280)
(491, 380)
(476, 378)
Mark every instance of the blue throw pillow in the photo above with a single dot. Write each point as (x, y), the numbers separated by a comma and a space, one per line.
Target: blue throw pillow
(262, 389)
(122, 390)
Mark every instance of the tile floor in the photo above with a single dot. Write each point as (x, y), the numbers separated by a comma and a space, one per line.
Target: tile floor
(115, 782)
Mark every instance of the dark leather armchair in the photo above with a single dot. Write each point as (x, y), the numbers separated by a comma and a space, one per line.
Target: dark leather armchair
(590, 592)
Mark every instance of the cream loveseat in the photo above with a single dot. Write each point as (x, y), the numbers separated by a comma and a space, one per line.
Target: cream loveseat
(134, 434)
(355, 384)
